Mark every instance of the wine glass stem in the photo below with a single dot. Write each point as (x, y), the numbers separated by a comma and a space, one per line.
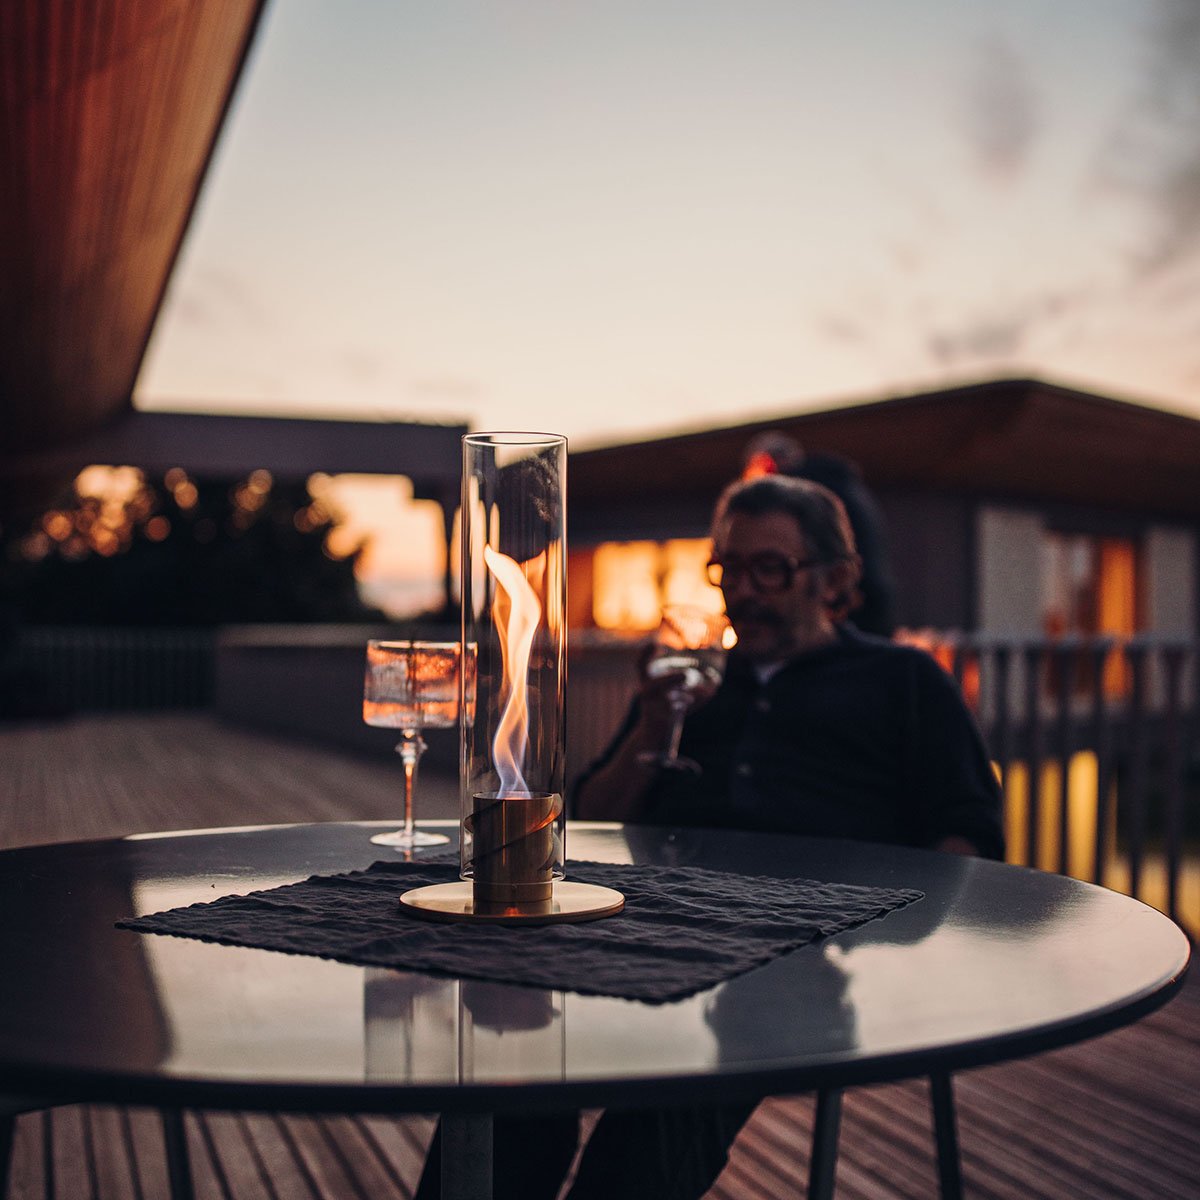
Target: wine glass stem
(410, 751)
(680, 703)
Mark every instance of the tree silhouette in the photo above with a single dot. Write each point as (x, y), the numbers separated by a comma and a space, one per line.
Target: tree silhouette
(188, 553)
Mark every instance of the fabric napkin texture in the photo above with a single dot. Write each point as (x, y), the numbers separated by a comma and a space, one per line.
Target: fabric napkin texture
(683, 929)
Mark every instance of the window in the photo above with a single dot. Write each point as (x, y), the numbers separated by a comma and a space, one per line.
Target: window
(1089, 588)
(631, 581)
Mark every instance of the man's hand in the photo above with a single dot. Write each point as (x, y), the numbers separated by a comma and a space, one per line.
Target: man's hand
(655, 692)
(617, 790)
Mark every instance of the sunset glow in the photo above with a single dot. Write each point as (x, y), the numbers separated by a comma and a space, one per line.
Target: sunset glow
(613, 219)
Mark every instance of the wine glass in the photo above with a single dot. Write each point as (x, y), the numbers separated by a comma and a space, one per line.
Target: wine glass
(411, 686)
(690, 643)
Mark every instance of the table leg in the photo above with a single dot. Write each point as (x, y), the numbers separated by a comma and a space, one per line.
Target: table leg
(466, 1156)
(179, 1170)
(822, 1167)
(945, 1129)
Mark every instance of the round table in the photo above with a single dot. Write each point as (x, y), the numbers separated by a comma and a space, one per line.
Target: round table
(994, 963)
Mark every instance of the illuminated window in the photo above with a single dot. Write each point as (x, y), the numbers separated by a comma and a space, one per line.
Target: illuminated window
(1089, 588)
(625, 583)
(631, 581)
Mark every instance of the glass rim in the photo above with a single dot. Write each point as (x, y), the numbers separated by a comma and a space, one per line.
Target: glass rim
(505, 437)
(406, 644)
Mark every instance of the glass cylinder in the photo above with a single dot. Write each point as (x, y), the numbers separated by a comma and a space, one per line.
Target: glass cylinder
(513, 580)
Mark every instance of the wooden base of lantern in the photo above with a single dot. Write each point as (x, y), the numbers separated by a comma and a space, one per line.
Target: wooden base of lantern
(457, 902)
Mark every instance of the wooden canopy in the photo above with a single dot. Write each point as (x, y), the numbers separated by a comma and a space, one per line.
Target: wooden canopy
(109, 112)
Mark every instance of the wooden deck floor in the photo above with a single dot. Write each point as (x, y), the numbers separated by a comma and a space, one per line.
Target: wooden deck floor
(1115, 1117)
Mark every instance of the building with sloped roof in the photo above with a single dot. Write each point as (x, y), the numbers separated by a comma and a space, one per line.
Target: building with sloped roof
(1012, 507)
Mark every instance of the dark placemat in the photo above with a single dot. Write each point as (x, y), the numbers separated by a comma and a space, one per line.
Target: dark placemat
(683, 928)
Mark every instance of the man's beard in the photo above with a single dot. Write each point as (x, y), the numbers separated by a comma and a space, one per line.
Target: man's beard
(752, 610)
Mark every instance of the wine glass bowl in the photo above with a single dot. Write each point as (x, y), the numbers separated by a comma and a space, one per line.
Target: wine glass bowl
(690, 645)
(411, 686)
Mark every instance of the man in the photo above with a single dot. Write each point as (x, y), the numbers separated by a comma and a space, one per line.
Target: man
(815, 729)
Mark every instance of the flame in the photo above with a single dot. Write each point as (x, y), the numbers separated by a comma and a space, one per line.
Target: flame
(517, 611)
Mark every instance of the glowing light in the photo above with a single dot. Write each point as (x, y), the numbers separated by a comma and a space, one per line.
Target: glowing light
(35, 547)
(157, 528)
(626, 595)
(632, 581)
(118, 485)
(1082, 831)
(516, 611)
(58, 525)
(684, 578)
(341, 542)
(760, 463)
(400, 542)
(1090, 586)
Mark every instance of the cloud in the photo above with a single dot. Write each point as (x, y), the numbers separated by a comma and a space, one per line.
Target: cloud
(1175, 97)
(1153, 153)
(360, 364)
(986, 337)
(1000, 110)
(1048, 319)
(841, 328)
(212, 296)
(445, 388)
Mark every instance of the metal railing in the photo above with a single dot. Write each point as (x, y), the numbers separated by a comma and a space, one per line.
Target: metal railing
(83, 669)
(1097, 743)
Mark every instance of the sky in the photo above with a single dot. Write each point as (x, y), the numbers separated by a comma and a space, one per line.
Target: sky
(618, 218)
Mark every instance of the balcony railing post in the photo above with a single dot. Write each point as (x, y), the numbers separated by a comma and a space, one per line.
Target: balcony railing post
(1066, 655)
(1102, 741)
(1001, 728)
(1033, 745)
(1173, 823)
(1133, 799)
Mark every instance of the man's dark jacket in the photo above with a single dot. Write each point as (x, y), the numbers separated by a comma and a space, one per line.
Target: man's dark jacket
(862, 739)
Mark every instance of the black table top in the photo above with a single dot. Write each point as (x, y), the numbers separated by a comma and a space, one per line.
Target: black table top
(994, 963)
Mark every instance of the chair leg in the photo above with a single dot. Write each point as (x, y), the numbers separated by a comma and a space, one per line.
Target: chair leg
(8, 1127)
(822, 1167)
(945, 1129)
(179, 1171)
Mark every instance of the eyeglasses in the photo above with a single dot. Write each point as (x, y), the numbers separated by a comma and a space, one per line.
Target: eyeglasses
(768, 572)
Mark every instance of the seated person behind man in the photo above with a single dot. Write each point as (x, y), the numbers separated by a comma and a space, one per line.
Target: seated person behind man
(816, 729)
